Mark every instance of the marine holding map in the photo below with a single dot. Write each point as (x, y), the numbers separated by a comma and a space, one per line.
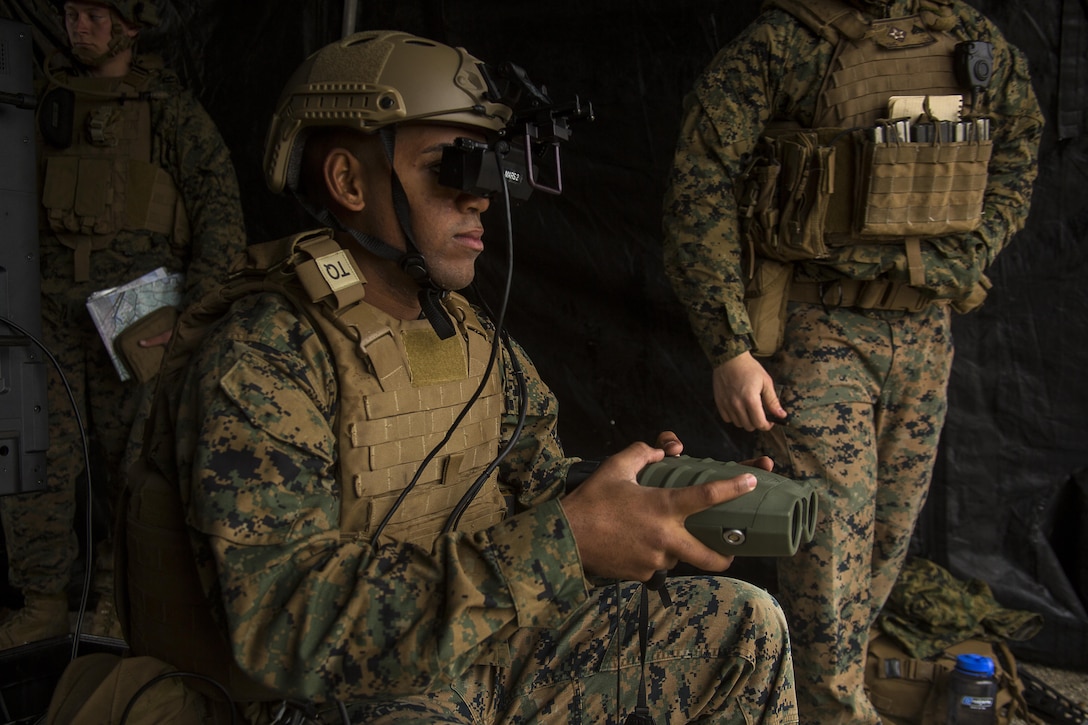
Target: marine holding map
(134, 176)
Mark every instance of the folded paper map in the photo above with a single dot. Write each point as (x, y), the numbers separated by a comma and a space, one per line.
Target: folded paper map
(935, 108)
(116, 308)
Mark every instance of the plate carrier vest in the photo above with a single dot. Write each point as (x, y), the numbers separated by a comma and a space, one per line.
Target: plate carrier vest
(98, 177)
(808, 190)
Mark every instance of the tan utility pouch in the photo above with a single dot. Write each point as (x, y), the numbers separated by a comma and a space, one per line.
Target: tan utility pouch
(922, 189)
(93, 195)
(784, 195)
(806, 185)
(144, 362)
(757, 199)
(101, 688)
(909, 691)
(765, 298)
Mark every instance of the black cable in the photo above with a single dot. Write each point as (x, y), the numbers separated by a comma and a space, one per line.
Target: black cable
(343, 710)
(167, 675)
(641, 714)
(479, 388)
(88, 552)
(454, 518)
(620, 635)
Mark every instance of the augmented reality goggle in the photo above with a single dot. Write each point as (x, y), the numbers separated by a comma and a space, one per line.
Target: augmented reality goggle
(525, 156)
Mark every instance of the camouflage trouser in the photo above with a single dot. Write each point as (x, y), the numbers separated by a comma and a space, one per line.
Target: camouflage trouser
(719, 654)
(866, 394)
(38, 527)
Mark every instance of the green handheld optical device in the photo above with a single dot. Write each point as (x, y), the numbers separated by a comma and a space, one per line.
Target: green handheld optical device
(773, 519)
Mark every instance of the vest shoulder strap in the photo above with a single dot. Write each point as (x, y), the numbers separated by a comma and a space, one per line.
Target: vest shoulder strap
(833, 20)
(830, 19)
(938, 15)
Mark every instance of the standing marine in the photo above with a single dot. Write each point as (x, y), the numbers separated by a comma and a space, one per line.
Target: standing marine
(846, 173)
(134, 176)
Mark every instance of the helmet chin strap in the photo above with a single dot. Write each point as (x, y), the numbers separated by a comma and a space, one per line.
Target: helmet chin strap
(411, 262)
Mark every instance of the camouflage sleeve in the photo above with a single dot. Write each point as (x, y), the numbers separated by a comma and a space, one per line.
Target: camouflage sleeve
(724, 116)
(1016, 128)
(195, 155)
(308, 613)
(535, 469)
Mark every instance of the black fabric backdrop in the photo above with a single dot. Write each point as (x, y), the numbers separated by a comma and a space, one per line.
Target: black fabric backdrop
(1009, 503)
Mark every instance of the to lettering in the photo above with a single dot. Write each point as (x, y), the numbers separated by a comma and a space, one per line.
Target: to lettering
(336, 270)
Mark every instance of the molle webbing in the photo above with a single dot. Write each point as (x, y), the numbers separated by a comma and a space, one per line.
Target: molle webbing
(104, 180)
(809, 190)
(865, 295)
(866, 73)
(922, 189)
(392, 417)
(833, 19)
(875, 59)
(161, 603)
(401, 388)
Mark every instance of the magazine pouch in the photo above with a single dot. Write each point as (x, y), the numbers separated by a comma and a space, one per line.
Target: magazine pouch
(144, 362)
(784, 194)
(921, 189)
(806, 186)
(757, 197)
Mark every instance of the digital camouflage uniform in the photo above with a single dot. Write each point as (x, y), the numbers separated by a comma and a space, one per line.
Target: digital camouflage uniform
(496, 626)
(185, 144)
(865, 389)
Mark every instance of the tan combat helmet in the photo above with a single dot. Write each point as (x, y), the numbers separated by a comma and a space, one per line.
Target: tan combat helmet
(371, 80)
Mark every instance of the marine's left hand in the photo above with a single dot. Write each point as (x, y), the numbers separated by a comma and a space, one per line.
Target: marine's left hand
(162, 338)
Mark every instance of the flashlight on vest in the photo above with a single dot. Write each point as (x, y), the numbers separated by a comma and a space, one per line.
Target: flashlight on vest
(773, 519)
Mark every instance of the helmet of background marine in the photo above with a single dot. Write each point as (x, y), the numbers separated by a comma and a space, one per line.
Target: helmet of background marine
(140, 13)
(371, 80)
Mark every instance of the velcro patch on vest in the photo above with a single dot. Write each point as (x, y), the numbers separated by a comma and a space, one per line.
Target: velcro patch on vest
(908, 32)
(433, 360)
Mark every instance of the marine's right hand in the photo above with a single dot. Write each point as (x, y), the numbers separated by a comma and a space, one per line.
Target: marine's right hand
(629, 532)
(744, 394)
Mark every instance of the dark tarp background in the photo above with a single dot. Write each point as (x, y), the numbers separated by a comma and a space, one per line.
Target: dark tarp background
(1009, 503)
